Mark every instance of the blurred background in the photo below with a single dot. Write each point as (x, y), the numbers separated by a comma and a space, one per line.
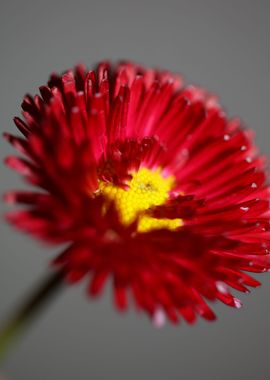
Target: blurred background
(221, 45)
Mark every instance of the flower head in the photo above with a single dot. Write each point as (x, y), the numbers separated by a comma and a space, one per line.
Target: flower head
(146, 182)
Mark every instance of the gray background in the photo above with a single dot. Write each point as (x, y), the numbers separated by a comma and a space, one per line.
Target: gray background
(223, 45)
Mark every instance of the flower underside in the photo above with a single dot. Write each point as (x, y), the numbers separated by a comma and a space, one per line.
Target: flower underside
(145, 190)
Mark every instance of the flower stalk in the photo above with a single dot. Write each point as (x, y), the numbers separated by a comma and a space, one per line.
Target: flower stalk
(22, 317)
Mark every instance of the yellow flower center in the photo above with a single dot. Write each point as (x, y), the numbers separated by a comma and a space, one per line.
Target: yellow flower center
(146, 189)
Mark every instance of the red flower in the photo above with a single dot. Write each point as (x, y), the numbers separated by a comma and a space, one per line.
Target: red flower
(147, 182)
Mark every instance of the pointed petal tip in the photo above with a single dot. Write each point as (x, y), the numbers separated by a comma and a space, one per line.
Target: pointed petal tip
(9, 197)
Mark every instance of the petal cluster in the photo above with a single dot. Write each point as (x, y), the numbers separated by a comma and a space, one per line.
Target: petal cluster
(147, 183)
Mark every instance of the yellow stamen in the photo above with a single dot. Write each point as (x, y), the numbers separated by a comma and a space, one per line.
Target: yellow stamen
(146, 189)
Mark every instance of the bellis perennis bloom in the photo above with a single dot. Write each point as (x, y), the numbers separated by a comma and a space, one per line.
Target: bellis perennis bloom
(147, 183)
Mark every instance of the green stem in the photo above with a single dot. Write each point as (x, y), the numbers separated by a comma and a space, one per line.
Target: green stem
(23, 316)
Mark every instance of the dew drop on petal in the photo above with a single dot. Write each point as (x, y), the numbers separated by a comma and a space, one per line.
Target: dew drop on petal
(237, 303)
(244, 209)
(222, 287)
(159, 318)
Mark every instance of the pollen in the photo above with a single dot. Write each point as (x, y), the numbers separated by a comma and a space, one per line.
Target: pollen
(146, 189)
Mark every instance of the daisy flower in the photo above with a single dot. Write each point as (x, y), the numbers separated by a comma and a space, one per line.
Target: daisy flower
(143, 181)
